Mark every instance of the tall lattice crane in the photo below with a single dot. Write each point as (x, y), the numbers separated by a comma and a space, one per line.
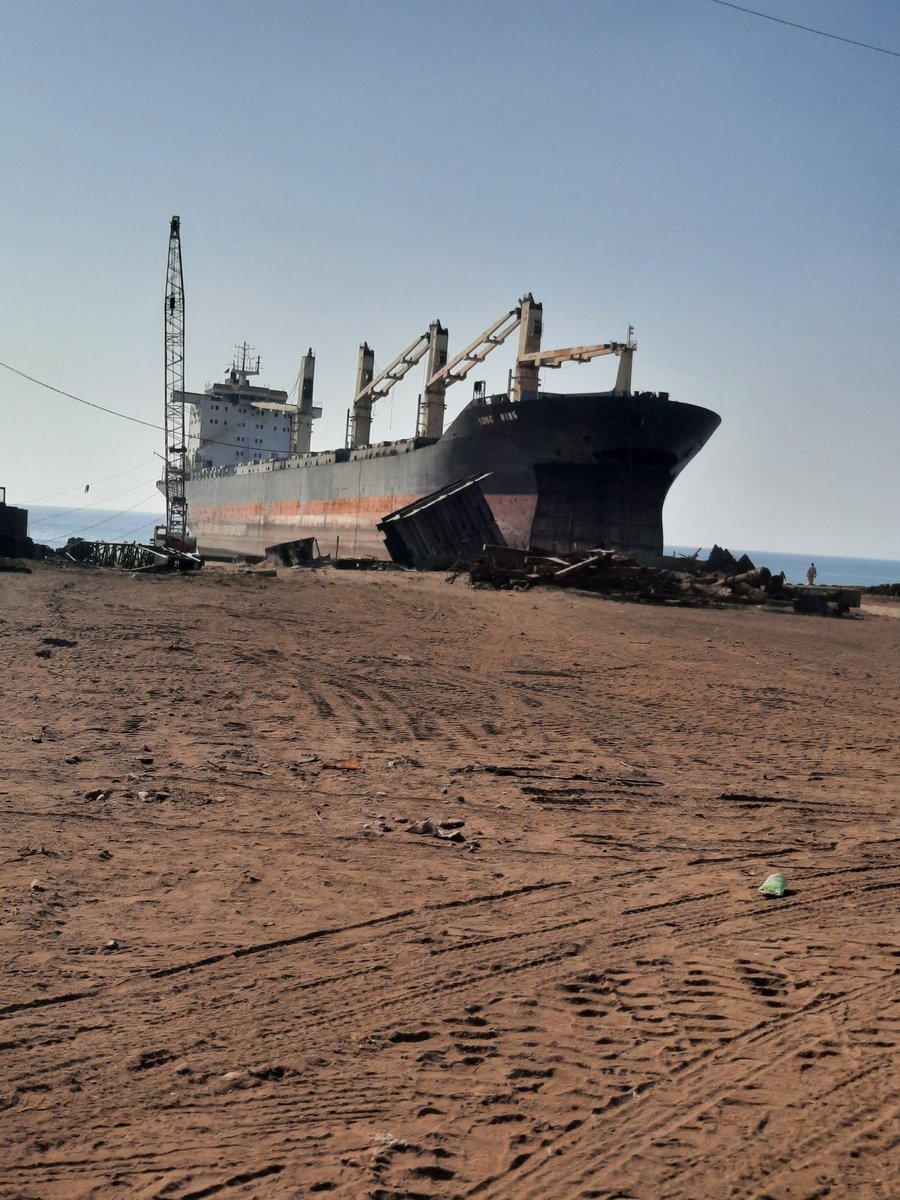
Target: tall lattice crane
(176, 536)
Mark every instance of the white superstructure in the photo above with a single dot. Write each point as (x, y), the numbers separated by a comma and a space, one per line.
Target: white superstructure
(239, 422)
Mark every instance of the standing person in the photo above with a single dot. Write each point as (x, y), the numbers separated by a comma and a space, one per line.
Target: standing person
(811, 574)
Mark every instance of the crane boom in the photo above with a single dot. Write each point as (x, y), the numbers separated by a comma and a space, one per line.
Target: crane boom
(580, 354)
(370, 387)
(440, 373)
(476, 352)
(176, 531)
(394, 372)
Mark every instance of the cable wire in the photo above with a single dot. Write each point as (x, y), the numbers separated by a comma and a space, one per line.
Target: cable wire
(105, 520)
(80, 487)
(71, 396)
(126, 417)
(130, 532)
(99, 503)
(806, 28)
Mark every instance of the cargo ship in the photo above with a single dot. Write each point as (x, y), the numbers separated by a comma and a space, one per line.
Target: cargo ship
(566, 472)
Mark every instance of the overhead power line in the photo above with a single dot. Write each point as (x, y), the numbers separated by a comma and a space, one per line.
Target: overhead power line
(83, 488)
(836, 37)
(96, 505)
(125, 416)
(70, 396)
(106, 520)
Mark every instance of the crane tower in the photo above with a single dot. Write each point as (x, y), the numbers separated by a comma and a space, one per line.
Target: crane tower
(176, 532)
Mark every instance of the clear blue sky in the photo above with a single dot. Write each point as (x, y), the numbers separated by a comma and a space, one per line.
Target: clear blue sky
(348, 170)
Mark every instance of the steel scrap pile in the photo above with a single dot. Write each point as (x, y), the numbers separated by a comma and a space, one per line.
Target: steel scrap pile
(755, 586)
(723, 578)
(612, 573)
(596, 571)
(720, 580)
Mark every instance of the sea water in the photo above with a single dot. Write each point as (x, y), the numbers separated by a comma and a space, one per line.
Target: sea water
(52, 527)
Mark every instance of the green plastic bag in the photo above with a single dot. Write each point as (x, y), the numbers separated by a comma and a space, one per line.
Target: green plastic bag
(775, 885)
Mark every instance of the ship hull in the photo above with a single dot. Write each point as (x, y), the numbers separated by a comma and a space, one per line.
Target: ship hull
(567, 472)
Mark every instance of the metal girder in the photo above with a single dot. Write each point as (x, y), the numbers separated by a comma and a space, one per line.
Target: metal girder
(130, 556)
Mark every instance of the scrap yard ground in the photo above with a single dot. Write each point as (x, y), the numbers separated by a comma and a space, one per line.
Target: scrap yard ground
(230, 968)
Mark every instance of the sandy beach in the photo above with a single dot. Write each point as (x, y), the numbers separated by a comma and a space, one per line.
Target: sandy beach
(231, 968)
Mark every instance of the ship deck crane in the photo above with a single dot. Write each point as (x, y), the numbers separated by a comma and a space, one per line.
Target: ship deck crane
(527, 316)
(580, 354)
(371, 387)
(439, 374)
(434, 403)
(478, 350)
(583, 354)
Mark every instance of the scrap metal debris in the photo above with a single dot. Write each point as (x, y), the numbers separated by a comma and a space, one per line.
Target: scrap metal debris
(129, 556)
(364, 563)
(436, 530)
(14, 539)
(620, 575)
(303, 552)
(597, 570)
